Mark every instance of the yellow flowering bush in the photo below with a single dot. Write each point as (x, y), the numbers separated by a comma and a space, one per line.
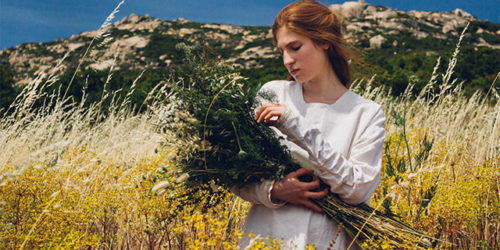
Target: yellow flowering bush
(107, 205)
(445, 197)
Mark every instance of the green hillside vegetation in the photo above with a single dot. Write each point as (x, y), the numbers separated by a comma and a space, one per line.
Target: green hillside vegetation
(402, 59)
(7, 89)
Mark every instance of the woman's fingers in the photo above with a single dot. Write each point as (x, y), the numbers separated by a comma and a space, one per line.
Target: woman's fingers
(317, 195)
(263, 108)
(271, 114)
(314, 195)
(291, 189)
(312, 185)
(266, 115)
(300, 172)
(267, 111)
(312, 206)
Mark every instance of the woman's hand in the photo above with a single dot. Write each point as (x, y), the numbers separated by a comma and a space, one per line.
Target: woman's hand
(294, 191)
(268, 111)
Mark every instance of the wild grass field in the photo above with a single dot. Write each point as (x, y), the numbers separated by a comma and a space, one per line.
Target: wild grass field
(77, 177)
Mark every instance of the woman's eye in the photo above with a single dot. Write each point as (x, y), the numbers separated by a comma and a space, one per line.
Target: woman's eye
(296, 47)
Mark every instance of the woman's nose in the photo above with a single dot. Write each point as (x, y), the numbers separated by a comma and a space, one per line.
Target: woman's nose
(287, 59)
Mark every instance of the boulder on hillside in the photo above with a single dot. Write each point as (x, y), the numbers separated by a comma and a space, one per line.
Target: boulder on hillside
(349, 9)
(134, 18)
(421, 34)
(182, 20)
(377, 41)
(383, 15)
(358, 26)
(448, 27)
(392, 25)
(462, 13)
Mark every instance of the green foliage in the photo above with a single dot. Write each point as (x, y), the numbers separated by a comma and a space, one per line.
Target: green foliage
(7, 90)
(398, 70)
(233, 148)
(477, 66)
(256, 29)
(163, 44)
(485, 25)
(119, 84)
(272, 69)
(488, 34)
(491, 39)
(427, 28)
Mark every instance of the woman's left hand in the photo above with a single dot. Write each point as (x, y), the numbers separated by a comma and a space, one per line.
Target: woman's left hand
(291, 189)
(268, 111)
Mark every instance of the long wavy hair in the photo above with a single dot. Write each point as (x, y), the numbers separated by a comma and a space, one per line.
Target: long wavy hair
(317, 22)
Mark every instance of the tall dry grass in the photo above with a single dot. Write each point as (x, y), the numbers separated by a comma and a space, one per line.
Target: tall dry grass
(77, 177)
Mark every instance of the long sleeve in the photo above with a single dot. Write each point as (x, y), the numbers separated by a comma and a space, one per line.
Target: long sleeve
(354, 179)
(257, 193)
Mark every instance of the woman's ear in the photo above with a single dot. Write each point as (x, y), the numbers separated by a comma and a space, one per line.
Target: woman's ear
(325, 46)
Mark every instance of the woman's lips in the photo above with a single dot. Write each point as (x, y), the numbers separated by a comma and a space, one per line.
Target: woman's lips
(294, 71)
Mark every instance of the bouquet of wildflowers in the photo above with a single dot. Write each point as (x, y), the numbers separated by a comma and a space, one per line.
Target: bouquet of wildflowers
(227, 147)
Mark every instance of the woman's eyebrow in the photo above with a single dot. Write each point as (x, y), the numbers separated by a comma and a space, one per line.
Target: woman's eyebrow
(288, 44)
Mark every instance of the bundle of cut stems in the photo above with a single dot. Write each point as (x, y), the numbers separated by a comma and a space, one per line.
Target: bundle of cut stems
(362, 223)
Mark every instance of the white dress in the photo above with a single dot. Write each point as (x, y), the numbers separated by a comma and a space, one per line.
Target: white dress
(342, 142)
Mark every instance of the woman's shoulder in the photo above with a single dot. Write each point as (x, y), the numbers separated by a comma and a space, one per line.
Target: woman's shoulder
(277, 85)
(364, 105)
(276, 90)
(360, 101)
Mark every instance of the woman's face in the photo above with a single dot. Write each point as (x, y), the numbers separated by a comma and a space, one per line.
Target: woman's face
(304, 59)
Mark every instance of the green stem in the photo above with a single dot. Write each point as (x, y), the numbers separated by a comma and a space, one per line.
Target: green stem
(406, 142)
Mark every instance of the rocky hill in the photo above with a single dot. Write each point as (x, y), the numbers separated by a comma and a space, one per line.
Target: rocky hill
(138, 42)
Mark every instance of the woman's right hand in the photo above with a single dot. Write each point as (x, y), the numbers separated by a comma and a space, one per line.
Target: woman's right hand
(292, 190)
(268, 111)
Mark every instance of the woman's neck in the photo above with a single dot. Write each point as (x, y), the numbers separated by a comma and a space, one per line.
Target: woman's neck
(326, 88)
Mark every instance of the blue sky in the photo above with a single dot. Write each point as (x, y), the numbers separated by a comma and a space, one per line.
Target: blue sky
(24, 21)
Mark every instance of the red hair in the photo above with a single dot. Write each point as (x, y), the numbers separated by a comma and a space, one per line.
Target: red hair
(317, 22)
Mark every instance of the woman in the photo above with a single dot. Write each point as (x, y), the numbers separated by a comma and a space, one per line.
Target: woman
(332, 131)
